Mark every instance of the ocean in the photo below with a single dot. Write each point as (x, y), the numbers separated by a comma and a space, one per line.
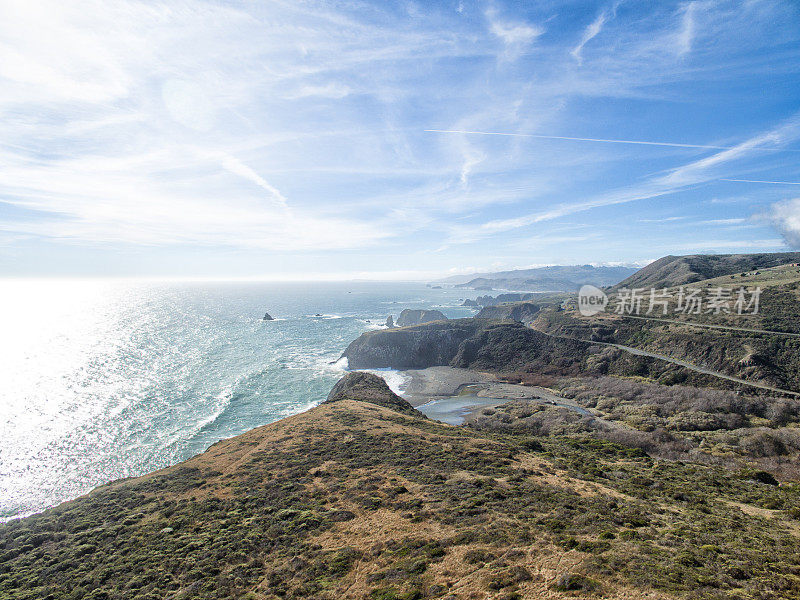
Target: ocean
(104, 380)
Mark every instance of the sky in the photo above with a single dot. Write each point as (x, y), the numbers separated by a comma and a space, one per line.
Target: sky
(392, 140)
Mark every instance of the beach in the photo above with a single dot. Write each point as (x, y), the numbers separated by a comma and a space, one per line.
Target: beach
(451, 395)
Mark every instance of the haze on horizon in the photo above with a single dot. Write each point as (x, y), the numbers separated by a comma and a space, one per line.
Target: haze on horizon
(404, 140)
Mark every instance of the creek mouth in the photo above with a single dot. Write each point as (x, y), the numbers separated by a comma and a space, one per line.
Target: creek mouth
(451, 395)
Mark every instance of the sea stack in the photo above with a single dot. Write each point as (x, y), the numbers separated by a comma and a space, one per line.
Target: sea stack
(389, 322)
(268, 317)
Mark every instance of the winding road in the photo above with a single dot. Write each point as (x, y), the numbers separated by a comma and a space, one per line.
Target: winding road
(685, 364)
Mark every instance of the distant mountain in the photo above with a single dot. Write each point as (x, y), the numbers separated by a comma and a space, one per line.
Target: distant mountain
(671, 271)
(544, 279)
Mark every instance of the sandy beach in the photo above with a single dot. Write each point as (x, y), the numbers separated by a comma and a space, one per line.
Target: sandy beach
(449, 395)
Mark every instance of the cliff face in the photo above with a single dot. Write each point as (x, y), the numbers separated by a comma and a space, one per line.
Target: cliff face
(481, 301)
(417, 317)
(467, 343)
(505, 347)
(410, 347)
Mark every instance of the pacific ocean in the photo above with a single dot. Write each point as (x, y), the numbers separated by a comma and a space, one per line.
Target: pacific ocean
(103, 380)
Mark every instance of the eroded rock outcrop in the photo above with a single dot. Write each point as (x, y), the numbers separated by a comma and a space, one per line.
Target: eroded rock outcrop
(367, 387)
(522, 312)
(415, 347)
(417, 317)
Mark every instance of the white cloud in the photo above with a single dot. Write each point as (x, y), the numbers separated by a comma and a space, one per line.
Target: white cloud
(151, 123)
(664, 220)
(677, 179)
(734, 221)
(237, 167)
(590, 32)
(297, 126)
(472, 159)
(516, 36)
(686, 33)
(332, 90)
(785, 217)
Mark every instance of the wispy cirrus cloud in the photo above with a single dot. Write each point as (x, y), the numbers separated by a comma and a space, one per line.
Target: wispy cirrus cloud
(296, 128)
(677, 179)
(592, 30)
(687, 31)
(515, 35)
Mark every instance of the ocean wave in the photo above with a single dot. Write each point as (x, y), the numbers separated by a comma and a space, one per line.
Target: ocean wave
(226, 398)
(373, 324)
(152, 376)
(396, 380)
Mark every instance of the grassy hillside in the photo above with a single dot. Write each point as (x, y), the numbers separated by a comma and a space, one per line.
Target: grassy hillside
(507, 347)
(750, 355)
(356, 500)
(671, 271)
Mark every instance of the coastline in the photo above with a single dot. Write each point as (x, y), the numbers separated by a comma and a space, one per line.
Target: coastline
(433, 383)
(452, 395)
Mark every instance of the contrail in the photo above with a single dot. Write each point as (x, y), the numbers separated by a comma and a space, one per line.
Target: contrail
(579, 139)
(759, 181)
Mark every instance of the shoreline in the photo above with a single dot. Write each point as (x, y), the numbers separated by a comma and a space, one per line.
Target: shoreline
(450, 395)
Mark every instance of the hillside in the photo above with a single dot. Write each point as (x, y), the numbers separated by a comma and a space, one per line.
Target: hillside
(522, 312)
(671, 271)
(742, 346)
(505, 347)
(544, 279)
(355, 500)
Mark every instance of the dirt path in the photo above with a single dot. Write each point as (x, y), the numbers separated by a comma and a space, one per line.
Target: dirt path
(709, 326)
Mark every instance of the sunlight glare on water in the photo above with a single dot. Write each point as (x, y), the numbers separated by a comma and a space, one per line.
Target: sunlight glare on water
(102, 380)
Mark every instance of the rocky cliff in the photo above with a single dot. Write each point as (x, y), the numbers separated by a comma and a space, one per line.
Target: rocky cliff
(522, 312)
(504, 347)
(417, 317)
(481, 301)
(467, 343)
(415, 347)
(369, 388)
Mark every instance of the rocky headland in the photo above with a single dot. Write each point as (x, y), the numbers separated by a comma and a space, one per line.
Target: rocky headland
(417, 317)
(521, 312)
(504, 347)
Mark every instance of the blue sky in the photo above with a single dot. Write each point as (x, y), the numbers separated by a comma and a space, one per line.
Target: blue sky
(355, 139)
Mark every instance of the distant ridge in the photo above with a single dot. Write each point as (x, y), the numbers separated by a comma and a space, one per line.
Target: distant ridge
(558, 278)
(671, 271)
